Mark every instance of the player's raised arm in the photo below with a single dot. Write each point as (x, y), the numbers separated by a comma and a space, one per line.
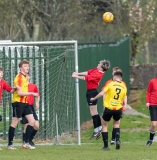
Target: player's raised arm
(81, 73)
(75, 75)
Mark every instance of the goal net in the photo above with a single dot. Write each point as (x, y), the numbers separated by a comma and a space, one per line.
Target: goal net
(51, 67)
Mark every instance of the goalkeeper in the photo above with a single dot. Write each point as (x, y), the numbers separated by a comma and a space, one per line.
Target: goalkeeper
(93, 78)
(31, 88)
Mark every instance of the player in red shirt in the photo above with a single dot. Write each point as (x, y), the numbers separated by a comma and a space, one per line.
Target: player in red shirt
(93, 78)
(151, 104)
(4, 86)
(31, 88)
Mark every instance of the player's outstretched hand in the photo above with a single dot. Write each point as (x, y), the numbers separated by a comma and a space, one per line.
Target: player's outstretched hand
(74, 75)
(35, 94)
(92, 99)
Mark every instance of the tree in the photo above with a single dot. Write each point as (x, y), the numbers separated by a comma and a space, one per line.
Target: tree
(142, 23)
(35, 19)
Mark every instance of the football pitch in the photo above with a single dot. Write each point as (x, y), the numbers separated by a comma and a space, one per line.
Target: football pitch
(92, 151)
(134, 135)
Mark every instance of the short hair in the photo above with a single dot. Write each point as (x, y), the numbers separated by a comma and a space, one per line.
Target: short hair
(118, 74)
(23, 62)
(105, 65)
(116, 69)
(1, 69)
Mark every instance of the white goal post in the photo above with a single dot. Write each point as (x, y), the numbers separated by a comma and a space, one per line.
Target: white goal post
(51, 67)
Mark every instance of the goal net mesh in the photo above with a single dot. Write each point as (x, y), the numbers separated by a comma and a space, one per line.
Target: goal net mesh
(51, 67)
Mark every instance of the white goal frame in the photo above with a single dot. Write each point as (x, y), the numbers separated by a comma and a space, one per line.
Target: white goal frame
(74, 42)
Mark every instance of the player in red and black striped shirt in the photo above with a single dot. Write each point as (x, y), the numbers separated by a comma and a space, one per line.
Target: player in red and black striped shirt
(93, 78)
(151, 104)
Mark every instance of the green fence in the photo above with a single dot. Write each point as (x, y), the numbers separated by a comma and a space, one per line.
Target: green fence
(89, 55)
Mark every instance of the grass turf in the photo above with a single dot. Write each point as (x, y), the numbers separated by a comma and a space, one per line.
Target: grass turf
(134, 135)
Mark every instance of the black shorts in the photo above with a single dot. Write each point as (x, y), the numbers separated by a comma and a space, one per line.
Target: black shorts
(91, 94)
(108, 114)
(23, 120)
(21, 109)
(153, 113)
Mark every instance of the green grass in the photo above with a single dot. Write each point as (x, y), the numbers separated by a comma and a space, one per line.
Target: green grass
(134, 135)
(133, 128)
(128, 151)
(142, 108)
(138, 101)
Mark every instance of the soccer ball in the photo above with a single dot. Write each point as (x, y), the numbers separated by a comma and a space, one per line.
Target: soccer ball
(108, 17)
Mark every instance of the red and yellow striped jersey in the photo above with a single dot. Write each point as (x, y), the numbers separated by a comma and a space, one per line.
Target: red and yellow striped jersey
(22, 81)
(115, 93)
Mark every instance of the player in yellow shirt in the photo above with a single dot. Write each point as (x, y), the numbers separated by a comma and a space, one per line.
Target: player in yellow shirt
(114, 69)
(20, 105)
(114, 101)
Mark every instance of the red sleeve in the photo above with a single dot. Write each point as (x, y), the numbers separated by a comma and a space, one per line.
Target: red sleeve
(149, 89)
(36, 89)
(6, 86)
(90, 70)
(93, 76)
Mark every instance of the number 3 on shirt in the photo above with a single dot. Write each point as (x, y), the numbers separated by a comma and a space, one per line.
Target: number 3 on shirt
(118, 90)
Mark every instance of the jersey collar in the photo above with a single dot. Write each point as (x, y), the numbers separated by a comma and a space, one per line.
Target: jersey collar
(23, 74)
